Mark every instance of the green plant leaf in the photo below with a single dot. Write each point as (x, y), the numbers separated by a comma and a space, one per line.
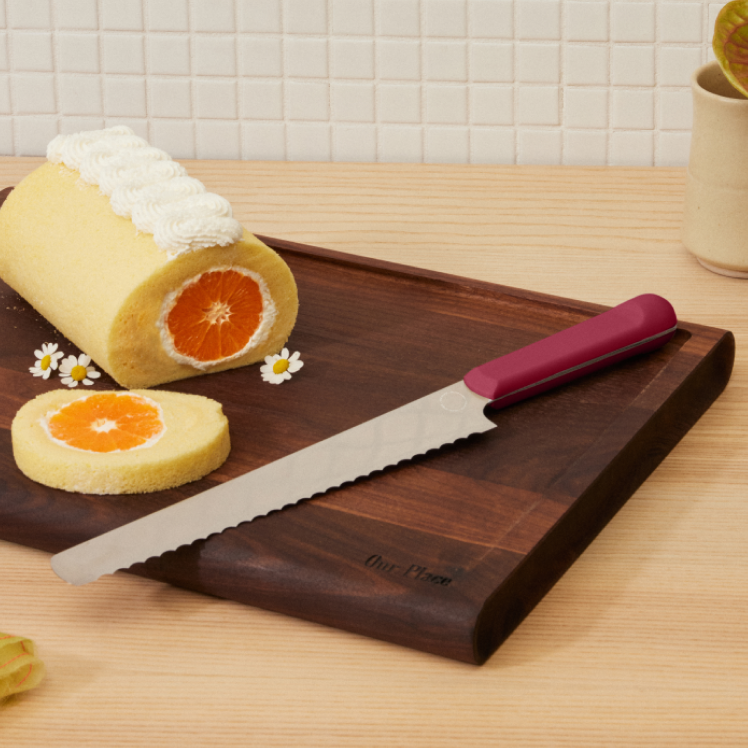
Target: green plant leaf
(730, 43)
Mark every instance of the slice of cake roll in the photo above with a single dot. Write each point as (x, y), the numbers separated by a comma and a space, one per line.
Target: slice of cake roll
(117, 442)
(139, 265)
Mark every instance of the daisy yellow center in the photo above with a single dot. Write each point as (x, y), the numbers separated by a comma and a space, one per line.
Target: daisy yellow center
(45, 362)
(280, 366)
(78, 373)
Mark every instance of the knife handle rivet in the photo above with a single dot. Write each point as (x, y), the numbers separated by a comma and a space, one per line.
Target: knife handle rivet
(453, 401)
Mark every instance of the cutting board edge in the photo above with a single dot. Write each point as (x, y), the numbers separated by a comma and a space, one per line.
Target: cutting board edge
(565, 542)
(449, 279)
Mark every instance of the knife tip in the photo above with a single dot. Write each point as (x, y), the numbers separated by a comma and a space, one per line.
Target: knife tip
(71, 576)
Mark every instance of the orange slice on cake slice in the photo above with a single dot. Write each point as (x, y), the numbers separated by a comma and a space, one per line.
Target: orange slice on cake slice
(106, 422)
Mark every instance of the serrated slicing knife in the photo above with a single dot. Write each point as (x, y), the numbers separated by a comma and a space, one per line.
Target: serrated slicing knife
(637, 326)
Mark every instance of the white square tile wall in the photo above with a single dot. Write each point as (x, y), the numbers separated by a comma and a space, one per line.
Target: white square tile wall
(583, 82)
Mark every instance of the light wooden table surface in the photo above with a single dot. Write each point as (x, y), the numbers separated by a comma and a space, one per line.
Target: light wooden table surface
(642, 643)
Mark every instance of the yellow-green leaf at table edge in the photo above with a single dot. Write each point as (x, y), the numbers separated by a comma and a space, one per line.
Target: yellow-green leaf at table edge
(733, 15)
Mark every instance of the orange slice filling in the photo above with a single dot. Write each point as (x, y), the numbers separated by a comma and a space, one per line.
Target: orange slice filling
(107, 422)
(215, 316)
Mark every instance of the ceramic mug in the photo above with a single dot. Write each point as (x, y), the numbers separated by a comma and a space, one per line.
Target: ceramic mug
(715, 220)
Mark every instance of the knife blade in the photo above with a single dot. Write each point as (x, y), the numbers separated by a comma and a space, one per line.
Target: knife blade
(457, 411)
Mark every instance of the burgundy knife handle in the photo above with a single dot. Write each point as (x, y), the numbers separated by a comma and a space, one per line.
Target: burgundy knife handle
(639, 325)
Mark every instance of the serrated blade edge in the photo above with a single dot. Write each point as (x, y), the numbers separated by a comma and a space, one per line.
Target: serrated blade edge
(428, 423)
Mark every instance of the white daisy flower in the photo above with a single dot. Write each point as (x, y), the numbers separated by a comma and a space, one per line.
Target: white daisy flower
(278, 368)
(46, 360)
(74, 370)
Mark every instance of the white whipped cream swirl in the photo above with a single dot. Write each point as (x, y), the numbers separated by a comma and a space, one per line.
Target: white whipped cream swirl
(103, 158)
(204, 205)
(70, 149)
(183, 233)
(143, 183)
(145, 203)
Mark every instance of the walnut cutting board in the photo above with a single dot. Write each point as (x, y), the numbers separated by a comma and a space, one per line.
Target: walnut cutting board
(446, 553)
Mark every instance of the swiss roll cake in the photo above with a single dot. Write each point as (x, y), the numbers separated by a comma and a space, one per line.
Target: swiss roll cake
(139, 265)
